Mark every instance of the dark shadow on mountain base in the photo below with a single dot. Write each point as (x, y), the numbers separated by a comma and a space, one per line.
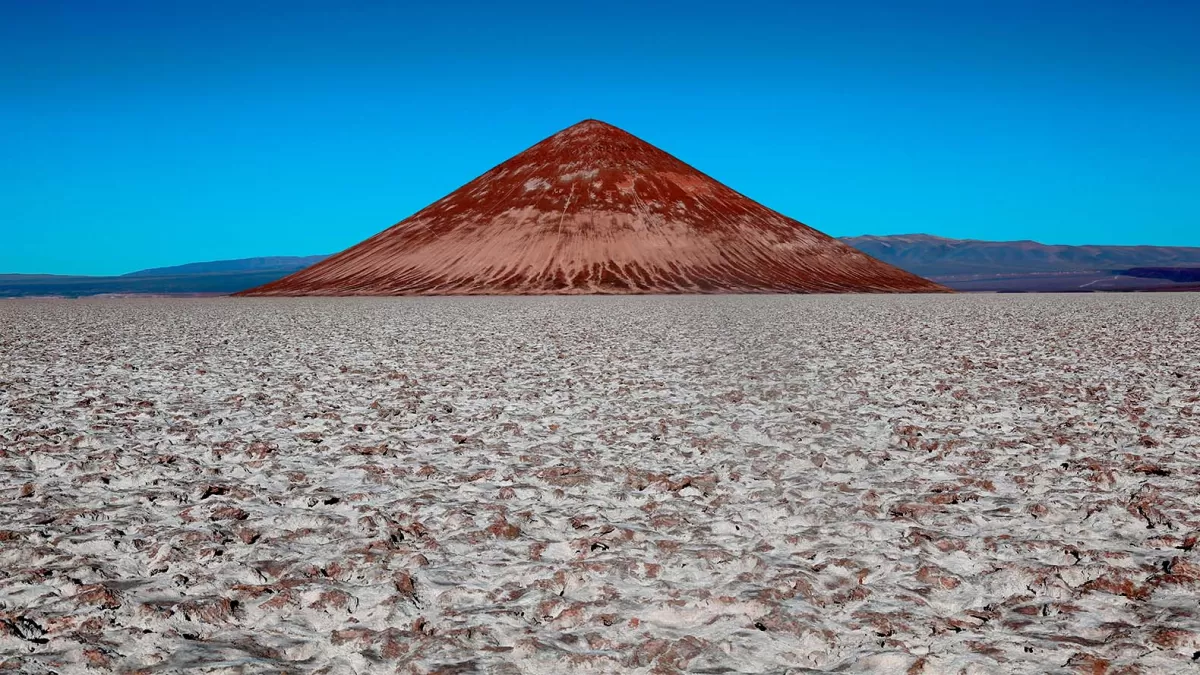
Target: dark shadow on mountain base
(1101, 281)
(1181, 275)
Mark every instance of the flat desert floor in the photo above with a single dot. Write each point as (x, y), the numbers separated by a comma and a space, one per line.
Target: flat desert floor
(912, 484)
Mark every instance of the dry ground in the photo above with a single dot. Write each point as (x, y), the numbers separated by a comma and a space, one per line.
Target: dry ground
(920, 484)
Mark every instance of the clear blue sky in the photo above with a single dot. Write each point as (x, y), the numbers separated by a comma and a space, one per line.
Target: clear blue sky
(140, 134)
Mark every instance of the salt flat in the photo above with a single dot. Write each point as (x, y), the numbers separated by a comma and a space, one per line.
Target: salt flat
(904, 484)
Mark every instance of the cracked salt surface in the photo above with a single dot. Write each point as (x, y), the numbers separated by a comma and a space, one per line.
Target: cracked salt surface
(907, 484)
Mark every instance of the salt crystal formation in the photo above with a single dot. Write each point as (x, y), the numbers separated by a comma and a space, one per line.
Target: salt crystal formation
(885, 484)
(593, 209)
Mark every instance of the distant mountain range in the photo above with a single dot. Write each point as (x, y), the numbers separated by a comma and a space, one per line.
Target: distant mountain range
(1010, 266)
(220, 277)
(962, 264)
(244, 265)
(931, 256)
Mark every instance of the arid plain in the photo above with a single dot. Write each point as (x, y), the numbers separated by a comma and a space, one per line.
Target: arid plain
(892, 484)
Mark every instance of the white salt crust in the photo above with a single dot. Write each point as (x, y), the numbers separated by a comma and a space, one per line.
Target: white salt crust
(886, 484)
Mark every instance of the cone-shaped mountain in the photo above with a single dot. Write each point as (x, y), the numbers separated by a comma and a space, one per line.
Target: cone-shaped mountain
(593, 209)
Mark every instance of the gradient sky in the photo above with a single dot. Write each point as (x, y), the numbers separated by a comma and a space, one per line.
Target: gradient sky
(135, 134)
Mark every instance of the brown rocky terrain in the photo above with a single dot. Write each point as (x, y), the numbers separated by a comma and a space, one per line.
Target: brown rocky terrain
(593, 209)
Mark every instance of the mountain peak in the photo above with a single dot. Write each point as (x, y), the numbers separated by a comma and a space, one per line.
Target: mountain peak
(593, 124)
(595, 209)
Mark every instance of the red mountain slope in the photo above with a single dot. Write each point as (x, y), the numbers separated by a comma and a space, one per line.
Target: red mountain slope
(593, 209)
